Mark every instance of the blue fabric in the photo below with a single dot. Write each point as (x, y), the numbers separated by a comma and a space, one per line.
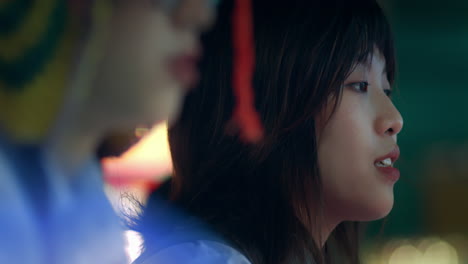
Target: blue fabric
(19, 240)
(197, 252)
(83, 224)
(48, 217)
(174, 237)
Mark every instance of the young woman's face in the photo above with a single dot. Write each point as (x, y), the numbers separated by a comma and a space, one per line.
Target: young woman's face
(151, 57)
(358, 145)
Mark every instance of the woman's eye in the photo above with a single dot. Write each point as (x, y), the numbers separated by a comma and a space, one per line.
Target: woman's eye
(359, 86)
(388, 92)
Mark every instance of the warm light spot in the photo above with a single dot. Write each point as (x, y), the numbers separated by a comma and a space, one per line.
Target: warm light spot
(440, 252)
(406, 254)
(430, 251)
(148, 161)
(373, 258)
(426, 242)
(152, 147)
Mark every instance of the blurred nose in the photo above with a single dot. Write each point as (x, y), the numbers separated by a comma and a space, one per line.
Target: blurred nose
(195, 15)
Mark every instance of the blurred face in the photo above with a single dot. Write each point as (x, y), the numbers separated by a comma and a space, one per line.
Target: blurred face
(358, 146)
(150, 58)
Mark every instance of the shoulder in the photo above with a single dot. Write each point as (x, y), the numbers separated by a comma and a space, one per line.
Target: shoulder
(197, 252)
(20, 233)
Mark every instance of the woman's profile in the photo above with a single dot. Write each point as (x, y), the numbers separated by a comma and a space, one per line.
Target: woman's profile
(323, 84)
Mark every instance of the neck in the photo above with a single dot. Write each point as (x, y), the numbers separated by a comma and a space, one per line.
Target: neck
(322, 233)
(77, 132)
(73, 142)
(322, 226)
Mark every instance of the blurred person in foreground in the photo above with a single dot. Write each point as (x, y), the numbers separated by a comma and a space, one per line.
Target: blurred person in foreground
(70, 73)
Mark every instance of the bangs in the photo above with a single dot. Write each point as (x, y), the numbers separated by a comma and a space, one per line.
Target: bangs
(369, 31)
(347, 33)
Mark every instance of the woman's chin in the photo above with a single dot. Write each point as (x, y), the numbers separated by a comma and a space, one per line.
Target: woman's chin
(377, 211)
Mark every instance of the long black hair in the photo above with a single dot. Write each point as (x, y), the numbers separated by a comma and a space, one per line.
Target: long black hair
(265, 198)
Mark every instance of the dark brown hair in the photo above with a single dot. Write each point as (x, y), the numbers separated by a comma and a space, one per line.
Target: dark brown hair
(261, 197)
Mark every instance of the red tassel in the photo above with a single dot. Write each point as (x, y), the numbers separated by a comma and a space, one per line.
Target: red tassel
(245, 114)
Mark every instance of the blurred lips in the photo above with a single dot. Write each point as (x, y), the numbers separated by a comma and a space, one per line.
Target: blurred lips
(183, 68)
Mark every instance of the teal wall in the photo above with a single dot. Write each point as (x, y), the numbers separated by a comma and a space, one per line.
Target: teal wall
(432, 50)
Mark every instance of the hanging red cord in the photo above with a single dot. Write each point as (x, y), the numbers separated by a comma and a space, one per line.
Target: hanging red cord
(245, 114)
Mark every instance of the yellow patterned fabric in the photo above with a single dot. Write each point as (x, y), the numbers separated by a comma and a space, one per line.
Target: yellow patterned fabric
(38, 51)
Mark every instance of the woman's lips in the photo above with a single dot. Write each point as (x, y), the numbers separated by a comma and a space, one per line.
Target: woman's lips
(183, 68)
(391, 173)
(393, 155)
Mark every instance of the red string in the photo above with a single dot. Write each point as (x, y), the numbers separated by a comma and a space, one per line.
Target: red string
(245, 114)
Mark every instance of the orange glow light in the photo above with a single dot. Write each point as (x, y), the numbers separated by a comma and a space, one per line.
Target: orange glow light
(146, 163)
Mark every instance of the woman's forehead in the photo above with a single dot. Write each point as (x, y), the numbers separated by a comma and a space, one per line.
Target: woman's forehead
(375, 59)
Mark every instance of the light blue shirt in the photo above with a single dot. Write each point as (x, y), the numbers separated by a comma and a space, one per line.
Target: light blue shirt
(19, 240)
(78, 224)
(83, 225)
(197, 252)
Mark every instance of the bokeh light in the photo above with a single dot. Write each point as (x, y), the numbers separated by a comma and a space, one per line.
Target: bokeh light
(149, 161)
(427, 250)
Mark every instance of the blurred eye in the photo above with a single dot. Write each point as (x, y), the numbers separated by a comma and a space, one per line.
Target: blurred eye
(170, 6)
(214, 2)
(359, 86)
(167, 6)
